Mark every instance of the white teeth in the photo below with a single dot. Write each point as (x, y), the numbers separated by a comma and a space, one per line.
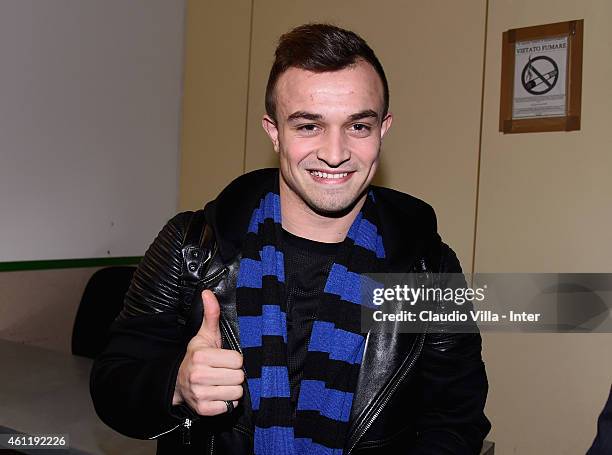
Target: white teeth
(325, 175)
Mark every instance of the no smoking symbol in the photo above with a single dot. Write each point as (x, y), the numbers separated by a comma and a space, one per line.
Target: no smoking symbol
(540, 75)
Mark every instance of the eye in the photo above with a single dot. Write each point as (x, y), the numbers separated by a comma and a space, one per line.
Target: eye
(361, 128)
(308, 129)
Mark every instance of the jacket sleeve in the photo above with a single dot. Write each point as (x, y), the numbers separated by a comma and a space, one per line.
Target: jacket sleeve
(132, 381)
(454, 381)
(603, 440)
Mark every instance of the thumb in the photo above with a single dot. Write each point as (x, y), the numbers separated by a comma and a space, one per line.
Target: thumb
(210, 321)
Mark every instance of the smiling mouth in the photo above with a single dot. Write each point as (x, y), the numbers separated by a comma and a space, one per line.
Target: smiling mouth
(329, 175)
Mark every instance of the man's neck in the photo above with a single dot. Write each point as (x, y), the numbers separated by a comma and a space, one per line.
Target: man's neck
(300, 220)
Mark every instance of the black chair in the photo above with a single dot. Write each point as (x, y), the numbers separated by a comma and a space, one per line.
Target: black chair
(101, 303)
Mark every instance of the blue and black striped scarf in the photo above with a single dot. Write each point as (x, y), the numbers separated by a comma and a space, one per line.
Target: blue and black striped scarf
(335, 347)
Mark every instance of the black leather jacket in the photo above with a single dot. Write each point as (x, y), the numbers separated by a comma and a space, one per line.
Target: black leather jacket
(416, 394)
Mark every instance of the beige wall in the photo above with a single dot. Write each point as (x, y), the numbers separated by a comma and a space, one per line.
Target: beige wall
(217, 40)
(544, 206)
(545, 197)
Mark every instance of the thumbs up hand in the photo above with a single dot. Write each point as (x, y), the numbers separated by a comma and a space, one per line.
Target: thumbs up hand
(209, 375)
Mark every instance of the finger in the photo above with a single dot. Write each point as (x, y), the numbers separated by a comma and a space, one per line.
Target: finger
(218, 358)
(218, 376)
(210, 321)
(213, 408)
(218, 393)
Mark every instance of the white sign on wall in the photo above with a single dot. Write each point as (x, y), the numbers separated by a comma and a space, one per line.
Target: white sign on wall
(540, 73)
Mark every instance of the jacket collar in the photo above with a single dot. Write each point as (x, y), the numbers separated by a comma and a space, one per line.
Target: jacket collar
(230, 213)
(408, 225)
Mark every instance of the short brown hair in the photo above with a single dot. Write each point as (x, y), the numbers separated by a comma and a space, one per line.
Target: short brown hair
(320, 48)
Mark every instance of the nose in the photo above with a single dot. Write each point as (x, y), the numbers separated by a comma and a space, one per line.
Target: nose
(334, 151)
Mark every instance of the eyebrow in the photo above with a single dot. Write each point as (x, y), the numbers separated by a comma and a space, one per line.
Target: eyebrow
(303, 115)
(368, 113)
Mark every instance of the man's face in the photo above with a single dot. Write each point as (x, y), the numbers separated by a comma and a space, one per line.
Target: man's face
(328, 133)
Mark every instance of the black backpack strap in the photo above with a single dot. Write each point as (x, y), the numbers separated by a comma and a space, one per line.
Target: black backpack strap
(199, 248)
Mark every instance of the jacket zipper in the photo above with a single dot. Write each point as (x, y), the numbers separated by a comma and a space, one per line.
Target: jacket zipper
(209, 279)
(235, 345)
(186, 431)
(233, 342)
(186, 424)
(359, 432)
(231, 337)
(165, 432)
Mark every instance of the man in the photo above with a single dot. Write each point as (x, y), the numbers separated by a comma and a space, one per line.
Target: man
(279, 364)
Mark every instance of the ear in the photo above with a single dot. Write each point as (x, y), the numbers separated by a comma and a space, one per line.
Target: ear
(386, 124)
(271, 130)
